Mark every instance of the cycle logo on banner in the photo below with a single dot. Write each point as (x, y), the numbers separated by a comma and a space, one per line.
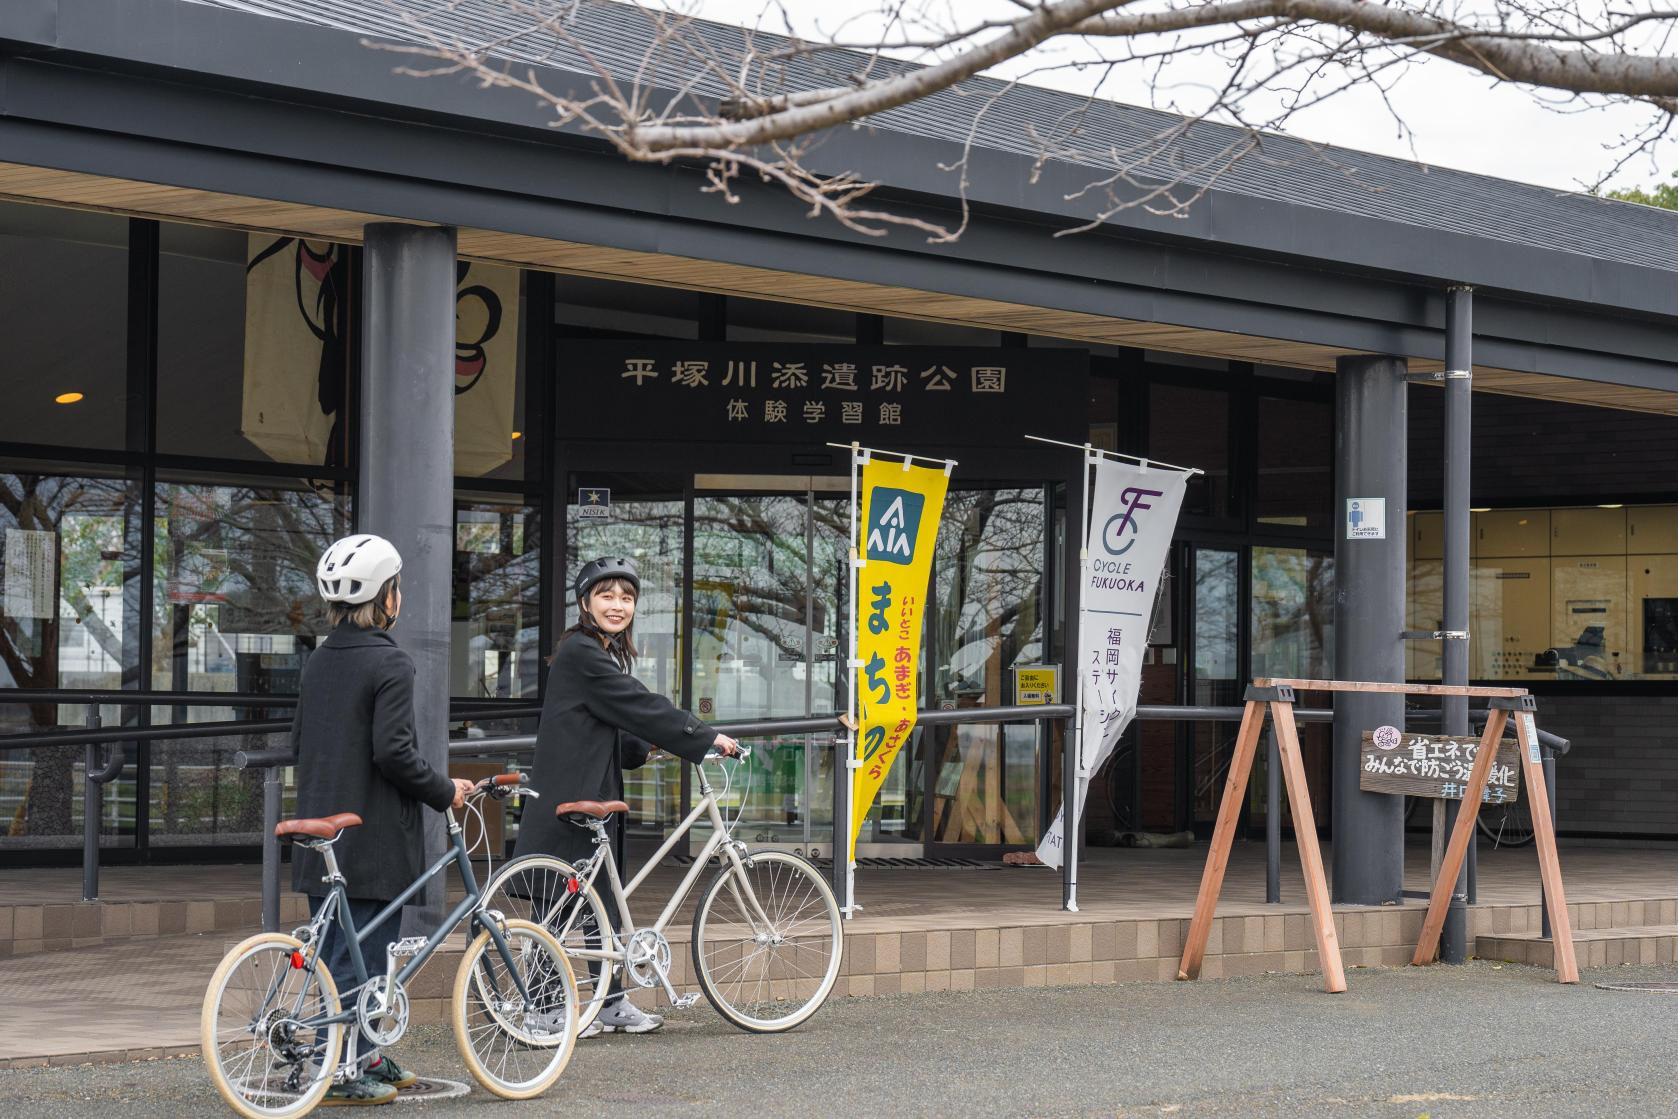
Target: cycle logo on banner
(1113, 534)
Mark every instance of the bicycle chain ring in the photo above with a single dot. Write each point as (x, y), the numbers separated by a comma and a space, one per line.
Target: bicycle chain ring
(382, 1027)
(646, 957)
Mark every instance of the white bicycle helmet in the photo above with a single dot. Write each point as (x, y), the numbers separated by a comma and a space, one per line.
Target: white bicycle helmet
(354, 568)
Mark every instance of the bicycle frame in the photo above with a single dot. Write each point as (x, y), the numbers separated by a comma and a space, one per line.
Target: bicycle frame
(335, 907)
(720, 839)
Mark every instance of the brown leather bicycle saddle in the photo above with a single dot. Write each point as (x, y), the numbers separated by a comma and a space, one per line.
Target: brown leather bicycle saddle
(321, 827)
(599, 809)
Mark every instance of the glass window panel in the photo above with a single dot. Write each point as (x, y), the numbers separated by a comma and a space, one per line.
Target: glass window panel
(1216, 623)
(988, 619)
(489, 372)
(201, 799)
(495, 643)
(1190, 426)
(64, 319)
(646, 524)
(69, 599)
(1295, 483)
(235, 603)
(1293, 613)
(253, 346)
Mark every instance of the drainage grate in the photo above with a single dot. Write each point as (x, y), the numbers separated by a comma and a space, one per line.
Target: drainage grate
(431, 1088)
(1641, 988)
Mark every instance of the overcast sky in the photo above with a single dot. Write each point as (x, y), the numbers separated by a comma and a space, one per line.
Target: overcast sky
(1456, 118)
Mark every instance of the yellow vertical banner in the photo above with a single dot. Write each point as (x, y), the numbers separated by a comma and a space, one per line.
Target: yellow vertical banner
(901, 507)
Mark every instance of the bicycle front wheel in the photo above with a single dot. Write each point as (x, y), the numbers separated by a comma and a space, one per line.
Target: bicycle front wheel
(767, 941)
(515, 1046)
(1506, 825)
(538, 888)
(265, 1054)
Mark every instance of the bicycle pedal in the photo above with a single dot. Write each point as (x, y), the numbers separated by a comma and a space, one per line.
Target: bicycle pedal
(407, 946)
(686, 1001)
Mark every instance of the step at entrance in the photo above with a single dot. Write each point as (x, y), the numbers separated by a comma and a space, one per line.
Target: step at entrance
(1635, 944)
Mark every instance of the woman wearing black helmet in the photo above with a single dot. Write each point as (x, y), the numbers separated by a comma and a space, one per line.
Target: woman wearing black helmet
(597, 721)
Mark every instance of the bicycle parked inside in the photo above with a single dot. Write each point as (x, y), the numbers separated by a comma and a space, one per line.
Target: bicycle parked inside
(767, 936)
(276, 1031)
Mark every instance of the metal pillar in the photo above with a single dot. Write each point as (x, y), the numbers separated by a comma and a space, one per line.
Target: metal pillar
(1459, 364)
(1369, 445)
(405, 489)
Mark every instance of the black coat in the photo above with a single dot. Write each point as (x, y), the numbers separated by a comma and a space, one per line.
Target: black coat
(597, 721)
(356, 752)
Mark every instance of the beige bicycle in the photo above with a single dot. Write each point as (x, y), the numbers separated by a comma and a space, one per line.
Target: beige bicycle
(767, 934)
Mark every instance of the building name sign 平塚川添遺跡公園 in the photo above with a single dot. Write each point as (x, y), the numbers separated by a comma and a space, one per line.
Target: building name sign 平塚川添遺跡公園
(1434, 765)
(811, 392)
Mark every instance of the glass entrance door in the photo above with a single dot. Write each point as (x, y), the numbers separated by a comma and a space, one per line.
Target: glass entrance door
(769, 578)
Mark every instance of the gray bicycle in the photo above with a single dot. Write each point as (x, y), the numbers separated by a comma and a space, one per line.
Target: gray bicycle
(274, 1024)
(767, 935)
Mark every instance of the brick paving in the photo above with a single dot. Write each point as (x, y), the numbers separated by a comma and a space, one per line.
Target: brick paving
(919, 930)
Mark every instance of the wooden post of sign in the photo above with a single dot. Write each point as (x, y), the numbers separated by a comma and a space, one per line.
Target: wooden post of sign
(1456, 849)
(1280, 701)
(1544, 836)
(1310, 854)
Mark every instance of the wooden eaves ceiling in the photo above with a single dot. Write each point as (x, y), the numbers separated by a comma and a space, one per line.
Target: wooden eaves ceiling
(172, 203)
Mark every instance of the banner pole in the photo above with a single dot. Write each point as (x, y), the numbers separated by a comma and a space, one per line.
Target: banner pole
(847, 780)
(1073, 768)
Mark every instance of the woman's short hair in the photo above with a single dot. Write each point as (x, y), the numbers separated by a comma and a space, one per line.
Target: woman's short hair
(371, 614)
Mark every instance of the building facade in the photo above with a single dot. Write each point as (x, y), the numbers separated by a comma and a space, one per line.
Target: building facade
(200, 398)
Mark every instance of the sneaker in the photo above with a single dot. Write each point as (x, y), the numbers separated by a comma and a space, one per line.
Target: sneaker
(623, 1016)
(362, 1092)
(385, 1070)
(549, 1022)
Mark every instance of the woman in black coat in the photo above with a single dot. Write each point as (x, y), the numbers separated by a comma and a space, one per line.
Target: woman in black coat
(353, 735)
(597, 721)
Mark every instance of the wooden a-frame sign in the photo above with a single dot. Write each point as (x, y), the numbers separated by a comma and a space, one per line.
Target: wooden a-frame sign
(1278, 697)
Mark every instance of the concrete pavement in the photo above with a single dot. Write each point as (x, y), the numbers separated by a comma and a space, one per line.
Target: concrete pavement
(1470, 1042)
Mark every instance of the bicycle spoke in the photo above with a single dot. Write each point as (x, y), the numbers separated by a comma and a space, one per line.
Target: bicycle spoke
(767, 942)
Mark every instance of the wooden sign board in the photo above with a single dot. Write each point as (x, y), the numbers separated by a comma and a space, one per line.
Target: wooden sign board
(1434, 765)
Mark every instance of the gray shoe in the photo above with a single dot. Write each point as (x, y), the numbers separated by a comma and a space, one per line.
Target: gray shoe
(550, 1022)
(623, 1016)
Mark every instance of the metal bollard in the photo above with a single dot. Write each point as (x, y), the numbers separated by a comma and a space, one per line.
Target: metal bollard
(1272, 820)
(272, 786)
(93, 798)
(94, 779)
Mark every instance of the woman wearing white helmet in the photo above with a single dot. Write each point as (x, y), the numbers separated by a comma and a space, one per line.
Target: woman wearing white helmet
(356, 749)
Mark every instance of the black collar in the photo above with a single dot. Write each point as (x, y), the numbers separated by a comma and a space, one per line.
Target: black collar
(348, 635)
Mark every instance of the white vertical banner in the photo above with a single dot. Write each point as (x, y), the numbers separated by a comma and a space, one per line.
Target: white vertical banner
(1133, 515)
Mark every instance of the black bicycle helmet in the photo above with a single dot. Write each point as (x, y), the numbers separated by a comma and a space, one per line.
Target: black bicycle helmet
(606, 567)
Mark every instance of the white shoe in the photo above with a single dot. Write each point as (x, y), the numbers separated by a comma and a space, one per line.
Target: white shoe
(623, 1016)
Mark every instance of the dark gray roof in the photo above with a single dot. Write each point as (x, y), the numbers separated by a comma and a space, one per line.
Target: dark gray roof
(1285, 170)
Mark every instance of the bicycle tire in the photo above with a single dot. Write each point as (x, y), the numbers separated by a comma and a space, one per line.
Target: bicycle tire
(1506, 825)
(549, 1052)
(281, 946)
(793, 881)
(513, 890)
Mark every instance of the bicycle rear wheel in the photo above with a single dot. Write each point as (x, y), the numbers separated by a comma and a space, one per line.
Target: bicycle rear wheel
(513, 1046)
(1507, 824)
(767, 941)
(263, 1057)
(537, 888)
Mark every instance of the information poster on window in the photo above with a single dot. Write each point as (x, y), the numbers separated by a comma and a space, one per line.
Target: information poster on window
(31, 575)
